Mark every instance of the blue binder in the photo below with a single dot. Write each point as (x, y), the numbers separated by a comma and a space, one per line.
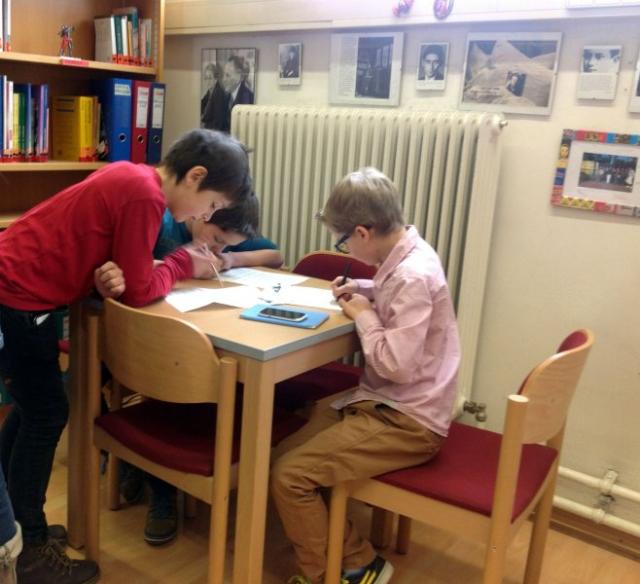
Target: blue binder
(156, 123)
(313, 318)
(115, 98)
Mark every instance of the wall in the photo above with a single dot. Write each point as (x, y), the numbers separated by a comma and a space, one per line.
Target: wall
(551, 270)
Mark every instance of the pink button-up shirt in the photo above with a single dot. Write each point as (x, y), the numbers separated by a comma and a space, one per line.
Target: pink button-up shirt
(410, 340)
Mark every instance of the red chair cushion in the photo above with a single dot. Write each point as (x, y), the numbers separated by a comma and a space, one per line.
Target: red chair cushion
(181, 436)
(328, 266)
(63, 346)
(316, 384)
(464, 471)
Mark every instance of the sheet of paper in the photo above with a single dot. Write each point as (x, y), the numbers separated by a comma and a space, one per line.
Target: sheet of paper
(260, 278)
(192, 298)
(307, 296)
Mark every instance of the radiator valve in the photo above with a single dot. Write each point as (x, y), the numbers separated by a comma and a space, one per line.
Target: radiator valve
(479, 409)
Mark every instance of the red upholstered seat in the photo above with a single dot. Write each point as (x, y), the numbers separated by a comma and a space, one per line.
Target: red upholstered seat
(181, 436)
(63, 346)
(316, 384)
(328, 265)
(464, 471)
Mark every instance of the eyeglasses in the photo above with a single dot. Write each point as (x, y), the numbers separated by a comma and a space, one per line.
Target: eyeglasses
(341, 245)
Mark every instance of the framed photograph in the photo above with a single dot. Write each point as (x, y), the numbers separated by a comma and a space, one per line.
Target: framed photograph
(510, 72)
(228, 78)
(599, 71)
(365, 68)
(634, 102)
(432, 66)
(598, 171)
(289, 63)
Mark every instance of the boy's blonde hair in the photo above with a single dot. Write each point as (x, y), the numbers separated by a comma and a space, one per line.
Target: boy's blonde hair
(365, 197)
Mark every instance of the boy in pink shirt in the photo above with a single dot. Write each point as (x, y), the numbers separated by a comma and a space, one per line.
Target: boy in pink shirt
(399, 415)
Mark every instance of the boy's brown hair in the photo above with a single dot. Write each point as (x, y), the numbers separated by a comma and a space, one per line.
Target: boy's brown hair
(365, 197)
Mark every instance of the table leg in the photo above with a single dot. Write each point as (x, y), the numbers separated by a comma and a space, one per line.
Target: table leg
(253, 473)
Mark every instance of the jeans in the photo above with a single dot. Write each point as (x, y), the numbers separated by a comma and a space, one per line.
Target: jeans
(7, 520)
(30, 369)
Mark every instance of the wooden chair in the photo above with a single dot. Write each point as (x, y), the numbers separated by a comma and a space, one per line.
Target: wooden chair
(483, 485)
(333, 377)
(185, 433)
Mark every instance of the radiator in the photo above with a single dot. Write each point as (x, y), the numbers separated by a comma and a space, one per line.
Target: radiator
(445, 165)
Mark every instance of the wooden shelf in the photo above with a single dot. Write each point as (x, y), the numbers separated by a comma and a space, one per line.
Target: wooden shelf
(7, 219)
(51, 166)
(76, 64)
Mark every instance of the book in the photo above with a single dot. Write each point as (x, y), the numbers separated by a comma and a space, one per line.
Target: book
(105, 47)
(73, 134)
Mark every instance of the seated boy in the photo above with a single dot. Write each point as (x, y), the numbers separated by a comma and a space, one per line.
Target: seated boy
(400, 413)
(231, 234)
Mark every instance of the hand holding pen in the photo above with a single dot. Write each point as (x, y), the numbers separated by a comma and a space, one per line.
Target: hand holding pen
(204, 261)
(343, 286)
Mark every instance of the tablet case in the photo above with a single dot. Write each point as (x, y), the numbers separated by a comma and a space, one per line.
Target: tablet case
(314, 318)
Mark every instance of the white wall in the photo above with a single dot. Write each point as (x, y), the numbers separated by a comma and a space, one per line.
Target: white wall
(551, 270)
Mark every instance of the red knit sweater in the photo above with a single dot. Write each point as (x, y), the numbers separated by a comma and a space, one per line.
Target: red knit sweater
(48, 256)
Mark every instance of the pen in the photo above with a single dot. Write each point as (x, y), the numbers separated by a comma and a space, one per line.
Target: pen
(347, 269)
(205, 250)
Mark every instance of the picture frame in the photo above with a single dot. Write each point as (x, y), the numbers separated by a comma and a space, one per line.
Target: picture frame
(510, 72)
(598, 171)
(228, 78)
(289, 63)
(433, 59)
(599, 69)
(365, 68)
(634, 101)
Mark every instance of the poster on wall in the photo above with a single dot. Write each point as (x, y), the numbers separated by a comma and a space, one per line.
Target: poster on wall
(599, 72)
(510, 72)
(432, 66)
(365, 68)
(598, 171)
(634, 102)
(228, 79)
(290, 63)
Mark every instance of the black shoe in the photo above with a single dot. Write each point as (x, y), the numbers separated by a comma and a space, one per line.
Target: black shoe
(377, 572)
(131, 483)
(162, 520)
(59, 534)
(48, 564)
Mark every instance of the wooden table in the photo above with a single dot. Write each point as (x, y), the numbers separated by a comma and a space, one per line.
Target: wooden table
(266, 354)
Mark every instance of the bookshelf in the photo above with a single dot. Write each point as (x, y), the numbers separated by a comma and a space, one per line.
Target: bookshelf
(34, 59)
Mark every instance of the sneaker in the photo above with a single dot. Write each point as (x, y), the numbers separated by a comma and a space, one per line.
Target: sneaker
(377, 572)
(48, 564)
(162, 520)
(9, 552)
(58, 533)
(131, 483)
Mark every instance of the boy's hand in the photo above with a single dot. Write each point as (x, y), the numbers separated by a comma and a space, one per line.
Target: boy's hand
(109, 280)
(204, 262)
(347, 289)
(226, 259)
(355, 305)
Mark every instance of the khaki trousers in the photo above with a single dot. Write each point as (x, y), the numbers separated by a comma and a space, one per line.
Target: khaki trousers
(362, 440)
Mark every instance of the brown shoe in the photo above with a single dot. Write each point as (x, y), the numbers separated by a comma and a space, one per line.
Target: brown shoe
(59, 533)
(48, 564)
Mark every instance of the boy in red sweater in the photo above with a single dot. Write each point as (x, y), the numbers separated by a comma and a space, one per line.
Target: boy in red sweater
(51, 257)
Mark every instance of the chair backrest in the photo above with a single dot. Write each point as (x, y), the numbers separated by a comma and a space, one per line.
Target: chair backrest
(550, 388)
(154, 354)
(328, 265)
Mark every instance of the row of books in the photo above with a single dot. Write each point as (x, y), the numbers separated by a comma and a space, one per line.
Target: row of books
(24, 121)
(5, 25)
(124, 37)
(123, 120)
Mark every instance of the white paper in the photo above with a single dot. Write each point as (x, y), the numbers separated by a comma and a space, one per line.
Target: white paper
(192, 298)
(260, 278)
(307, 296)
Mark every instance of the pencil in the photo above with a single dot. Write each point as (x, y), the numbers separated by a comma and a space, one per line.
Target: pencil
(215, 271)
(347, 270)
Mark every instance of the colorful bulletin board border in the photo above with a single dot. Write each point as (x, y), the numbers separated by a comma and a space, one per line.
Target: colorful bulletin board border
(598, 171)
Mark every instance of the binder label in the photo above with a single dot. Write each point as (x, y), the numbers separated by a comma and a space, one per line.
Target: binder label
(122, 89)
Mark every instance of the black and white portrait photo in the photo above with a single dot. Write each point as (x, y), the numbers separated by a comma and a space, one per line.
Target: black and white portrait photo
(289, 63)
(432, 66)
(599, 66)
(228, 79)
(365, 68)
(510, 72)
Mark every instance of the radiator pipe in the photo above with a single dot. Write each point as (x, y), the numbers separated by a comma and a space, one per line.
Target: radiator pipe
(597, 515)
(605, 484)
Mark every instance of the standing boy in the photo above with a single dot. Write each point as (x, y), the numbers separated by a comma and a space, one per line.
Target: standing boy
(49, 258)
(400, 413)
